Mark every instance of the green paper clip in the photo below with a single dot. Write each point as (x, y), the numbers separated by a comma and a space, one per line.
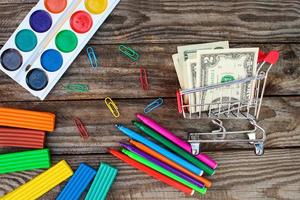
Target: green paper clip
(129, 52)
(102, 182)
(77, 88)
(26, 160)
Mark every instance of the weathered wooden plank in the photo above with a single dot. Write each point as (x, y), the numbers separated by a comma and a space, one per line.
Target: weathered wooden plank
(119, 77)
(167, 21)
(241, 175)
(279, 117)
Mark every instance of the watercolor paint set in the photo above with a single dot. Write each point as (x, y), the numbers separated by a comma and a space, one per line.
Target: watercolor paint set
(49, 39)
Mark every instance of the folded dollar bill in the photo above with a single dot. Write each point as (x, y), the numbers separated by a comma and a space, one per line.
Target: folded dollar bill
(202, 65)
(220, 66)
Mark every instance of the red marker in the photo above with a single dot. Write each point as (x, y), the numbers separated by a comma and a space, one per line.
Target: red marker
(152, 172)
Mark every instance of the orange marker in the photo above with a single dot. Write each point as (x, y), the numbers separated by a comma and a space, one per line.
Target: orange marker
(153, 153)
(152, 172)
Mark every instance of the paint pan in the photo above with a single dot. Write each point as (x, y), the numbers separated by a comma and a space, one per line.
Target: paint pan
(49, 39)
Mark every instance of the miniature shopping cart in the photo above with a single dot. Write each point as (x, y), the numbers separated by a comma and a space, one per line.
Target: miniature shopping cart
(229, 108)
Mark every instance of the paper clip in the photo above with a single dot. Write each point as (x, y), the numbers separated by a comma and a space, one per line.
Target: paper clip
(129, 52)
(144, 79)
(92, 57)
(81, 128)
(112, 107)
(153, 105)
(77, 88)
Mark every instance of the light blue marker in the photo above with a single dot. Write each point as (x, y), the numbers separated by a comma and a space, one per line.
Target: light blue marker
(180, 161)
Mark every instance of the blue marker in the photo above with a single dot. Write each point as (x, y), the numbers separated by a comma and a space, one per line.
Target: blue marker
(180, 161)
(78, 183)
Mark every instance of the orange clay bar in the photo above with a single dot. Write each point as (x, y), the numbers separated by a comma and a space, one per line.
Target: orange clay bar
(42, 121)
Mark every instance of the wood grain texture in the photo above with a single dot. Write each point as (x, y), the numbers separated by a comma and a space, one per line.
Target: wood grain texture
(279, 116)
(166, 21)
(118, 77)
(272, 176)
(155, 29)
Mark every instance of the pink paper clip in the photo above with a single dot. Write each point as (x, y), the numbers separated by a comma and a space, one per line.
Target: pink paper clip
(144, 79)
(81, 128)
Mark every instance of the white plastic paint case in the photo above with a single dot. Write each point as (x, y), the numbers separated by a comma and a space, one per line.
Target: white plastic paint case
(47, 41)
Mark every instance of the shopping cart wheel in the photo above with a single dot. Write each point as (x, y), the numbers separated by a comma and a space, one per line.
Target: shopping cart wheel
(195, 148)
(259, 148)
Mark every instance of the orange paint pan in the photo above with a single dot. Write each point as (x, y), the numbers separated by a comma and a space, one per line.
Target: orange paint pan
(153, 153)
(15, 137)
(42, 121)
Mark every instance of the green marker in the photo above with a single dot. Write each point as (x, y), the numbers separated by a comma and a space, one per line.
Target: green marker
(163, 171)
(174, 147)
(26, 160)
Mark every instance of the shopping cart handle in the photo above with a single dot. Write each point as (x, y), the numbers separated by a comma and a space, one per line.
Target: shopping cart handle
(272, 57)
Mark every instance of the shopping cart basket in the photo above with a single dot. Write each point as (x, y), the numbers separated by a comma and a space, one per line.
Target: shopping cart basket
(227, 107)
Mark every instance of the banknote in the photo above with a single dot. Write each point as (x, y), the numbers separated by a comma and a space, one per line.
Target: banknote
(179, 71)
(220, 66)
(190, 73)
(191, 83)
(190, 51)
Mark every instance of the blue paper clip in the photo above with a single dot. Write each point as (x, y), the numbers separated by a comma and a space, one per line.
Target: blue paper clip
(153, 105)
(78, 183)
(92, 57)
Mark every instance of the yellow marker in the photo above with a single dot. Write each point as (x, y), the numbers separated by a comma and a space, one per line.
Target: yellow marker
(41, 184)
(112, 107)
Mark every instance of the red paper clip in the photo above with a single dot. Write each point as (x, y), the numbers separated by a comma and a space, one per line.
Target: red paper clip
(81, 128)
(144, 79)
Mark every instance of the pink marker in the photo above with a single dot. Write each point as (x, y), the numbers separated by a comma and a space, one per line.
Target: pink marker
(179, 142)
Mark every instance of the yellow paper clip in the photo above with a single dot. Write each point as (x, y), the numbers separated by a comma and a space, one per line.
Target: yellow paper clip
(112, 107)
(42, 183)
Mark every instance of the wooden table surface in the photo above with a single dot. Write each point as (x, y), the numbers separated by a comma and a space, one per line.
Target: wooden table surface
(155, 28)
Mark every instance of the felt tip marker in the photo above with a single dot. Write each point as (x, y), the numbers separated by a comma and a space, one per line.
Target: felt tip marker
(152, 172)
(176, 140)
(161, 139)
(163, 171)
(134, 135)
(161, 164)
(162, 158)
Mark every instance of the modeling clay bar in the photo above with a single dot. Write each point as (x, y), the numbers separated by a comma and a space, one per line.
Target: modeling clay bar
(102, 182)
(27, 119)
(41, 184)
(78, 183)
(16, 137)
(26, 160)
